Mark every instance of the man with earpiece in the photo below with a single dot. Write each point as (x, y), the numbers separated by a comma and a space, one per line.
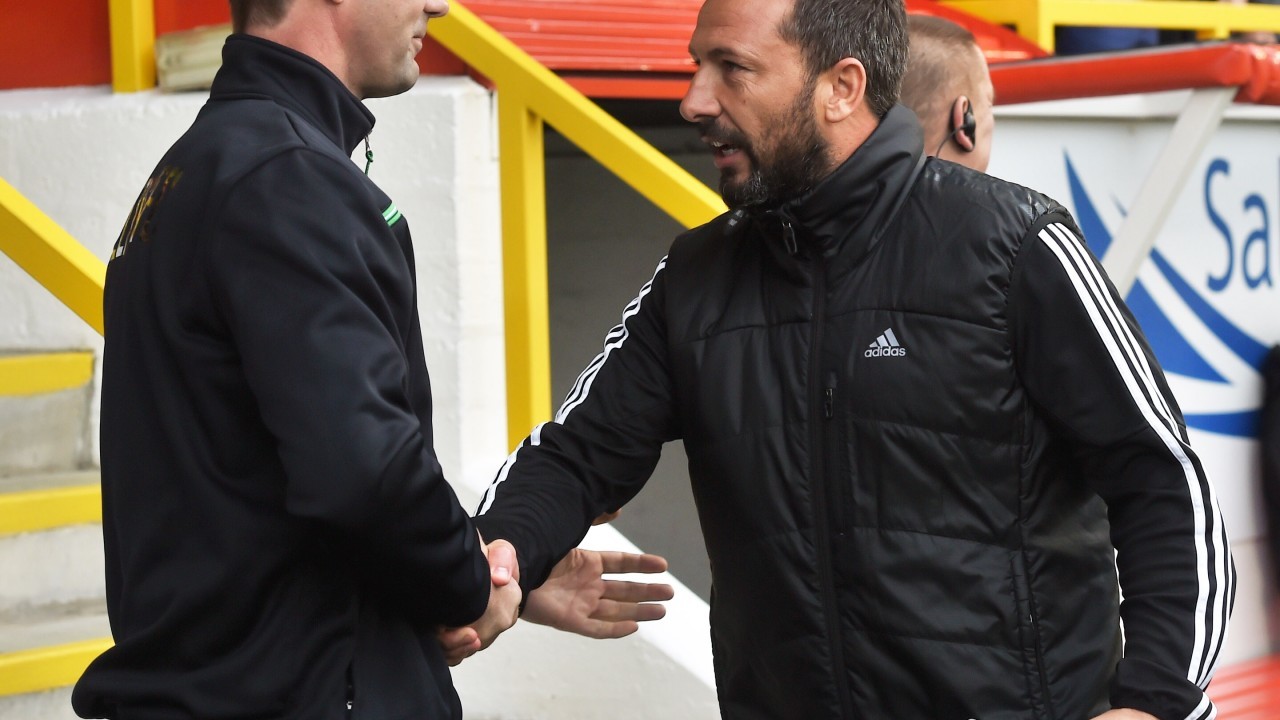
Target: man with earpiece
(947, 85)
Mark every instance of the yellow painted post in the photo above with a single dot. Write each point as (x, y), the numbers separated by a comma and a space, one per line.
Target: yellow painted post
(528, 95)
(51, 256)
(133, 45)
(524, 267)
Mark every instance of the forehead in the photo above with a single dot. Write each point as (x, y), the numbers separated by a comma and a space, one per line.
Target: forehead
(739, 26)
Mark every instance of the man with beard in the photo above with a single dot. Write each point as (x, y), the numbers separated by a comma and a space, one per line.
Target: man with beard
(924, 433)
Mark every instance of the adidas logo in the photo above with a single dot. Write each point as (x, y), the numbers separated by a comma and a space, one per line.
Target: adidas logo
(886, 346)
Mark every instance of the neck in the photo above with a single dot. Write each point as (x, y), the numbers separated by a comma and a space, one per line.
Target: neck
(310, 29)
(847, 136)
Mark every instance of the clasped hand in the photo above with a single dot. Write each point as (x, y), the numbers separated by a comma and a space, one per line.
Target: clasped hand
(575, 598)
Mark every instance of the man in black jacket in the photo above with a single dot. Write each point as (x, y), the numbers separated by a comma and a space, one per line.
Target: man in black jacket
(924, 432)
(280, 540)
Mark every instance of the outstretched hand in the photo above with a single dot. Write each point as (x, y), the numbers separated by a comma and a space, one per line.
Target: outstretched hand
(504, 607)
(576, 598)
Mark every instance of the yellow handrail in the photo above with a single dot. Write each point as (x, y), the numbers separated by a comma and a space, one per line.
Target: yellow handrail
(1035, 20)
(50, 255)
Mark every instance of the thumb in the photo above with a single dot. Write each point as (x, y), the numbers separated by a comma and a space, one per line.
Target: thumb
(503, 566)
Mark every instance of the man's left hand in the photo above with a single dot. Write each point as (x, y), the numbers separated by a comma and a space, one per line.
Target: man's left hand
(576, 598)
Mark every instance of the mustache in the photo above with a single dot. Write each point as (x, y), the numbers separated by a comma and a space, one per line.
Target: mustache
(709, 130)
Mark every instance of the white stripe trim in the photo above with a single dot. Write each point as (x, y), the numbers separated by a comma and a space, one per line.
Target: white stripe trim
(1102, 295)
(581, 387)
(491, 492)
(1165, 429)
(1222, 569)
(1205, 706)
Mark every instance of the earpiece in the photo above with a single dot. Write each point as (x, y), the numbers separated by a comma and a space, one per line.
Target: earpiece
(964, 127)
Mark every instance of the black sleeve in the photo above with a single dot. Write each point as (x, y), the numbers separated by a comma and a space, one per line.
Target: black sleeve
(313, 289)
(596, 453)
(1087, 366)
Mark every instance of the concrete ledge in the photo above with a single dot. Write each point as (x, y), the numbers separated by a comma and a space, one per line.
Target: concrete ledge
(48, 705)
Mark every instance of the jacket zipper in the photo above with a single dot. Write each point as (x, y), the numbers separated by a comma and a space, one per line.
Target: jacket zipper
(825, 398)
(351, 694)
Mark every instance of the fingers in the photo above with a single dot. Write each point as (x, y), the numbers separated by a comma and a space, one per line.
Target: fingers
(600, 630)
(620, 562)
(503, 566)
(635, 592)
(458, 644)
(611, 611)
(503, 610)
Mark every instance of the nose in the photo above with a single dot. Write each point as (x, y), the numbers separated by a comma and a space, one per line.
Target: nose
(436, 8)
(699, 101)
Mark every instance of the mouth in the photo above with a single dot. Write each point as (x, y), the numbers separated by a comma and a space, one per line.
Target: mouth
(725, 154)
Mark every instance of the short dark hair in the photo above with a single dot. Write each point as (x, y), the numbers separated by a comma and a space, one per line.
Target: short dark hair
(245, 13)
(937, 63)
(873, 31)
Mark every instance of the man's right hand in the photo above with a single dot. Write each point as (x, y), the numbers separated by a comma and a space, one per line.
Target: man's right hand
(503, 610)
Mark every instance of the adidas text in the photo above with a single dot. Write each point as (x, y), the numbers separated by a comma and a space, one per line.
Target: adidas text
(885, 352)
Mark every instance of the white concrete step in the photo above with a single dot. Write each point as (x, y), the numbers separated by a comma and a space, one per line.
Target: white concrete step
(45, 404)
(48, 705)
(58, 565)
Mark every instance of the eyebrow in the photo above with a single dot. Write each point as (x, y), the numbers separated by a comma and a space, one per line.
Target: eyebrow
(720, 53)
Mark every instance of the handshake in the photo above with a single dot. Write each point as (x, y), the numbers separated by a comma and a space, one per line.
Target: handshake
(575, 598)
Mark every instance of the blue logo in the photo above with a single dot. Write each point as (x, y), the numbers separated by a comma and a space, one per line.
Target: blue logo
(1176, 354)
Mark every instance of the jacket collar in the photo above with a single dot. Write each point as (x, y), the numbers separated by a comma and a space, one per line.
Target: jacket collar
(254, 67)
(845, 212)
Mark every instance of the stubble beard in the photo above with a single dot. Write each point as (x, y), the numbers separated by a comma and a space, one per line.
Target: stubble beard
(797, 163)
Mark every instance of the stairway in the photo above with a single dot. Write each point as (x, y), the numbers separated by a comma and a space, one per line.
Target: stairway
(52, 607)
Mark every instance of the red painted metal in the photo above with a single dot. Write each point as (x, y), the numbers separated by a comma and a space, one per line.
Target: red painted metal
(1255, 69)
(1248, 691)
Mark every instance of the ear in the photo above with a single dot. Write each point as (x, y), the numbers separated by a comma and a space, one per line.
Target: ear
(962, 123)
(846, 86)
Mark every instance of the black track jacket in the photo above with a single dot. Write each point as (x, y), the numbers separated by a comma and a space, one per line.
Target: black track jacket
(279, 537)
(917, 418)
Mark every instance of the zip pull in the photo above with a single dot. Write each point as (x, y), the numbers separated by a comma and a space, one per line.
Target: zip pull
(368, 155)
(789, 237)
(829, 397)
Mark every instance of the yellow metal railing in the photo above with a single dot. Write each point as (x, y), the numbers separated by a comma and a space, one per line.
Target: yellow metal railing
(528, 95)
(50, 255)
(1036, 19)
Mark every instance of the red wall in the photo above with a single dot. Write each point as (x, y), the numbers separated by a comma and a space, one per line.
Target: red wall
(55, 43)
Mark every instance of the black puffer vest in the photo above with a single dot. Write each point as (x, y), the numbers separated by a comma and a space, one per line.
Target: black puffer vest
(893, 530)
